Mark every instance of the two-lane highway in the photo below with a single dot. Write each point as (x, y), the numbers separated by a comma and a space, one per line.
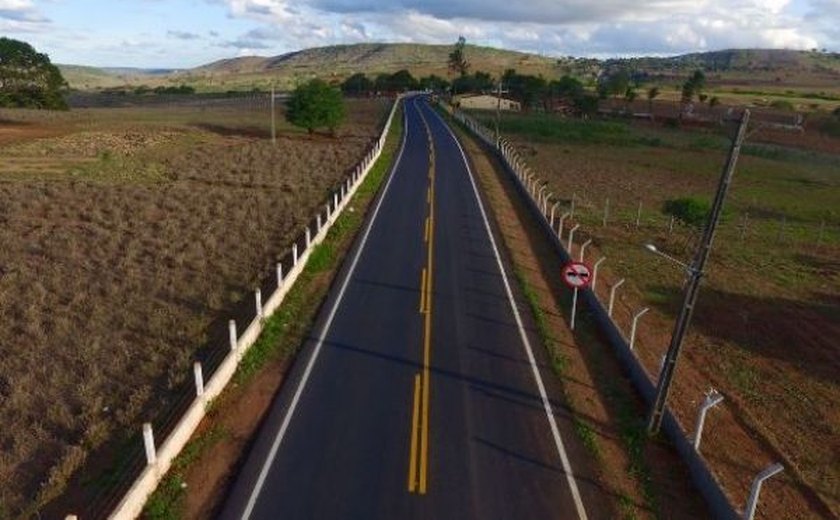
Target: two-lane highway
(419, 393)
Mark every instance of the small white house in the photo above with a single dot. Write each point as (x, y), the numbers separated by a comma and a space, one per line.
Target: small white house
(487, 102)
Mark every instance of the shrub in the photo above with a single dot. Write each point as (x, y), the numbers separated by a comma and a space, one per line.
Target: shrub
(783, 104)
(689, 210)
(315, 104)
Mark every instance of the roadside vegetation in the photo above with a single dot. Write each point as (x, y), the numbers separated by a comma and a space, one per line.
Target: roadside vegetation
(130, 236)
(764, 327)
(283, 336)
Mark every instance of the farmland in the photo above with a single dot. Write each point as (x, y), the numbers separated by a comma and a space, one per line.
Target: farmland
(127, 233)
(765, 332)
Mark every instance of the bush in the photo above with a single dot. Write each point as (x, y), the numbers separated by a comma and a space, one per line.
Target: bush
(783, 104)
(315, 104)
(689, 210)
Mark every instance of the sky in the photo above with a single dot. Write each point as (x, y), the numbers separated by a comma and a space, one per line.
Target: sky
(188, 33)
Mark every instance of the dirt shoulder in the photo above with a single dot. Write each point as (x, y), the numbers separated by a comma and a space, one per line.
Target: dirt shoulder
(644, 479)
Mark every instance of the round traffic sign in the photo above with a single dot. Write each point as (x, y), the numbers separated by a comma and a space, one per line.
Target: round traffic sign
(577, 275)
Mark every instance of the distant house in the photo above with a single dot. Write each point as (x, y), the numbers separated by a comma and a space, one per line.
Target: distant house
(487, 102)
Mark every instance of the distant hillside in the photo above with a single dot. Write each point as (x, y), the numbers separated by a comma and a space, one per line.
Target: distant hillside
(341, 61)
(90, 78)
(743, 60)
(736, 66)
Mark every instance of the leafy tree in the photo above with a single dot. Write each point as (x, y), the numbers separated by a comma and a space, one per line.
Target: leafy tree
(433, 82)
(652, 94)
(528, 90)
(382, 83)
(690, 210)
(357, 84)
(28, 78)
(403, 80)
(477, 82)
(615, 84)
(630, 95)
(586, 105)
(693, 86)
(315, 104)
(567, 88)
(457, 59)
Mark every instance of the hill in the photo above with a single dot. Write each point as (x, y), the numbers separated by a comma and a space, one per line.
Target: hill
(369, 58)
(733, 67)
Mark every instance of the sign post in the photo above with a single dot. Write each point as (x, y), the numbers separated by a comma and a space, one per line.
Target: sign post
(576, 275)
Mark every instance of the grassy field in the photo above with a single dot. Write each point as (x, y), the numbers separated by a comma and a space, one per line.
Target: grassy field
(127, 234)
(765, 331)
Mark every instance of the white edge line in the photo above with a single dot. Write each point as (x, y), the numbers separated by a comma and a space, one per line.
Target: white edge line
(558, 440)
(255, 493)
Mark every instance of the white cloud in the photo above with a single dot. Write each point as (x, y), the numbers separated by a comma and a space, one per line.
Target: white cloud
(581, 27)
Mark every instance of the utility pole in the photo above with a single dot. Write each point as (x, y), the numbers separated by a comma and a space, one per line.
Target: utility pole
(692, 289)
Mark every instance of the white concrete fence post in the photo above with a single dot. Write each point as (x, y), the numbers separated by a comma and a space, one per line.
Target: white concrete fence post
(613, 289)
(335, 201)
(294, 254)
(755, 491)
(713, 398)
(553, 209)
(571, 240)
(318, 223)
(595, 272)
(199, 379)
(308, 237)
(563, 218)
(258, 303)
(633, 328)
(279, 274)
(583, 249)
(232, 334)
(149, 444)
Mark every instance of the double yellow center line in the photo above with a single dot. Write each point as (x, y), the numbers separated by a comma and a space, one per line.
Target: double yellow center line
(418, 466)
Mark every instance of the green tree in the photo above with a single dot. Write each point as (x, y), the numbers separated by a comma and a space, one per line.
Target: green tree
(615, 84)
(630, 96)
(457, 58)
(357, 84)
(652, 94)
(403, 80)
(28, 79)
(693, 86)
(434, 82)
(315, 104)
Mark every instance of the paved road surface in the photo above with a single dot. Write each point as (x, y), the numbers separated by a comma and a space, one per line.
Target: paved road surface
(417, 395)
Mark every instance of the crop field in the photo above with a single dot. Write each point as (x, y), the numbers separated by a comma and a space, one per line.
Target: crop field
(766, 330)
(126, 233)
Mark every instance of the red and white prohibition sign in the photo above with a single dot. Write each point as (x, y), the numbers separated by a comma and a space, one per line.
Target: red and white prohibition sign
(577, 275)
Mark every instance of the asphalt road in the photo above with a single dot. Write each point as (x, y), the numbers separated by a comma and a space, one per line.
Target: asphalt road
(421, 392)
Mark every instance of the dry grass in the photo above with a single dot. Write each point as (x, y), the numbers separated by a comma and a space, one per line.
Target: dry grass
(123, 239)
(765, 331)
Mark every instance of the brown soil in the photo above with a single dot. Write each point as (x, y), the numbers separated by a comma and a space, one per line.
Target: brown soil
(113, 269)
(765, 332)
(653, 484)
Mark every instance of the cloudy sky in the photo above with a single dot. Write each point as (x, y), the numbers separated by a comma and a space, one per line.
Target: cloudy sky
(186, 33)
